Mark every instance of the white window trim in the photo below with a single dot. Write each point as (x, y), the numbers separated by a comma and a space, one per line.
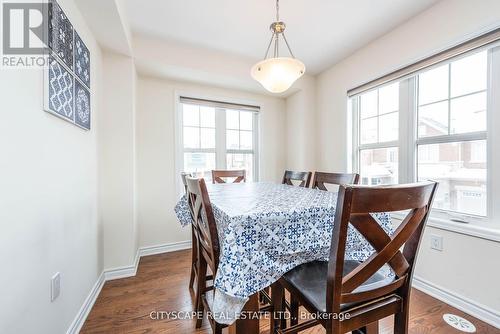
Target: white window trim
(355, 118)
(220, 136)
(481, 227)
(356, 143)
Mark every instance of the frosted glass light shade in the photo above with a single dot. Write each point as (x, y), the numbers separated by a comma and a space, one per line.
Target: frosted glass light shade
(278, 74)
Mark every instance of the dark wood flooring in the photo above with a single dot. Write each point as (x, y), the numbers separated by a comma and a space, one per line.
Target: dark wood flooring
(161, 284)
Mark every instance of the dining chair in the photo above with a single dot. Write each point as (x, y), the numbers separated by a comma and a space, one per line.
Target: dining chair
(370, 290)
(322, 178)
(194, 237)
(303, 177)
(239, 175)
(194, 277)
(208, 246)
(208, 250)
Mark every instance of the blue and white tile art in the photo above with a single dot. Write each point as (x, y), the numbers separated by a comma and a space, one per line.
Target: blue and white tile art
(82, 60)
(60, 89)
(67, 83)
(60, 34)
(82, 106)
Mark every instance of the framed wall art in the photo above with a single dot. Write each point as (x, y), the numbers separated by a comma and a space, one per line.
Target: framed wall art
(67, 76)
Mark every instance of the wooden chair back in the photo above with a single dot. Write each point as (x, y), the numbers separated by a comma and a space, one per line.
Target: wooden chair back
(355, 205)
(239, 175)
(183, 178)
(303, 177)
(203, 218)
(320, 178)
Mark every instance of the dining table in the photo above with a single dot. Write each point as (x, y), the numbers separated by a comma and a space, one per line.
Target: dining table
(266, 229)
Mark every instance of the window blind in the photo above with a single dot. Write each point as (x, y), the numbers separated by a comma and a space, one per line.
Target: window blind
(218, 104)
(470, 45)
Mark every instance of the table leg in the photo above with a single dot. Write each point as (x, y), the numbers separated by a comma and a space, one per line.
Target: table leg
(372, 328)
(248, 325)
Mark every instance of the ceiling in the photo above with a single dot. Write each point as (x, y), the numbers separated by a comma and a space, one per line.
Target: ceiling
(320, 32)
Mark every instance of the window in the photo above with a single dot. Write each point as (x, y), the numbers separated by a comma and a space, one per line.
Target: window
(240, 141)
(378, 135)
(218, 136)
(198, 139)
(434, 125)
(451, 144)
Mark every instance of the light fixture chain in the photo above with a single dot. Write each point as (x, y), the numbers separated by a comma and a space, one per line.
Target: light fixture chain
(276, 46)
(269, 46)
(287, 45)
(277, 10)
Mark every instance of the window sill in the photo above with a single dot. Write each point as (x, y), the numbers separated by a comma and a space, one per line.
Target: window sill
(478, 231)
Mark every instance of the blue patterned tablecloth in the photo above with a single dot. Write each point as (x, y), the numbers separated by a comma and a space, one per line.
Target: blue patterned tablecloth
(266, 229)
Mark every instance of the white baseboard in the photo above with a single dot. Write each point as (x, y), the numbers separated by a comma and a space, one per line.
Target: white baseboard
(462, 303)
(172, 247)
(84, 311)
(117, 273)
(122, 272)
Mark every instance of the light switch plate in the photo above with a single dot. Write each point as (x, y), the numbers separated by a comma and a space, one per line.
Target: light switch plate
(437, 242)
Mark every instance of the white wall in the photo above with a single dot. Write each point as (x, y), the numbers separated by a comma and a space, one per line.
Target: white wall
(156, 177)
(48, 207)
(117, 161)
(465, 266)
(301, 126)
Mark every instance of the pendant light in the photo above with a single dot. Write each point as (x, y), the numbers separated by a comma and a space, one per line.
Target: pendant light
(277, 74)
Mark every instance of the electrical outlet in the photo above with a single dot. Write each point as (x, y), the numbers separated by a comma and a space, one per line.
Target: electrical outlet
(55, 286)
(437, 242)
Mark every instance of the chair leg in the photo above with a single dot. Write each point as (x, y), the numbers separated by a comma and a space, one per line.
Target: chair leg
(200, 289)
(193, 275)
(401, 322)
(361, 330)
(333, 327)
(218, 328)
(294, 310)
(262, 298)
(371, 328)
(401, 319)
(277, 297)
(194, 258)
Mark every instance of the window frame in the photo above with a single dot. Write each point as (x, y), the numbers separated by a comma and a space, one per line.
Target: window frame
(255, 144)
(481, 226)
(220, 150)
(355, 106)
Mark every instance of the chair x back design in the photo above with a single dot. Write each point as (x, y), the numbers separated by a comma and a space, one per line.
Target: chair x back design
(304, 177)
(239, 175)
(208, 244)
(360, 288)
(320, 178)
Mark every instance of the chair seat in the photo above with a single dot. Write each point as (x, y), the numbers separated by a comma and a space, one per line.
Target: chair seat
(309, 279)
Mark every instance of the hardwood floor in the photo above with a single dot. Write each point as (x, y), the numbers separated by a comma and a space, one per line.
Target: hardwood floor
(161, 284)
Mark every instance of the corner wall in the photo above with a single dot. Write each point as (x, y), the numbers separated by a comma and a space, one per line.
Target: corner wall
(117, 161)
(301, 126)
